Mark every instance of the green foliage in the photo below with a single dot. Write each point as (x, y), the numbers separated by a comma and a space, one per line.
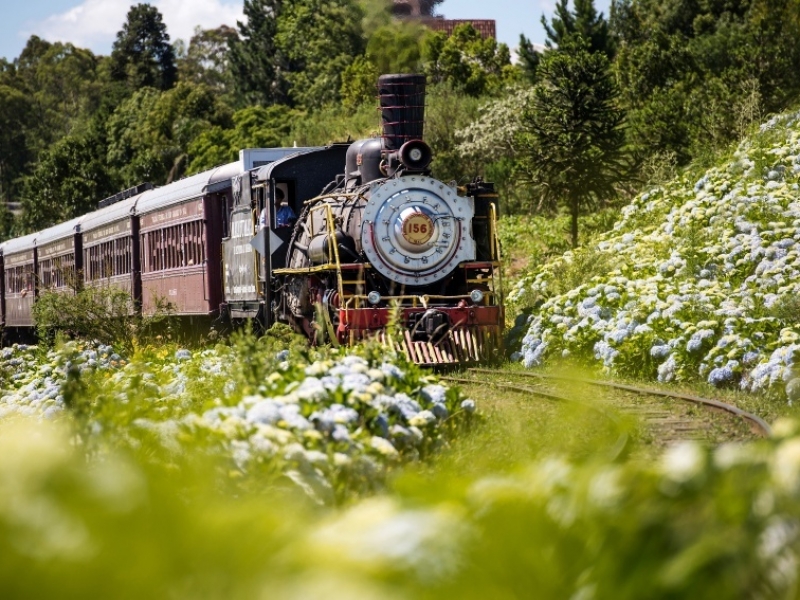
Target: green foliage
(786, 309)
(528, 241)
(695, 76)
(335, 124)
(142, 55)
(397, 47)
(15, 115)
(253, 127)
(102, 313)
(150, 133)
(448, 111)
(256, 353)
(500, 515)
(528, 58)
(63, 85)
(319, 38)
(487, 144)
(572, 140)
(69, 180)
(467, 62)
(295, 52)
(359, 83)
(257, 63)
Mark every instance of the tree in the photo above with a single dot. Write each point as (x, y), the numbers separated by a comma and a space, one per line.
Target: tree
(15, 118)
(583, 21)
(320, 39)
(142, 55)
(572, 139)
(294, 51)
(487, 145)
(207, 59)
(69, 180)
(149, 134)
(253, 127)
(257, 63)
(359, 83)
(63, 86)
(448, 110)
(695, 73)
(467, 61)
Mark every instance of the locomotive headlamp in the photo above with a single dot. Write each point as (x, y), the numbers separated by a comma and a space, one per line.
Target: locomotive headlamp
(476, 296)
(416, 155)
(373, 297)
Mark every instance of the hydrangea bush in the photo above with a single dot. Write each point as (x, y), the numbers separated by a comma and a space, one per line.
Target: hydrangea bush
(332, 423)
(700, 278)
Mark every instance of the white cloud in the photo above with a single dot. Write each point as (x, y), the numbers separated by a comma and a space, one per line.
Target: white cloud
(94, 24)
(182, 16)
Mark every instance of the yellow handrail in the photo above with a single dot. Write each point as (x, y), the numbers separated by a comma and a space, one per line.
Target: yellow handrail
(333, 247)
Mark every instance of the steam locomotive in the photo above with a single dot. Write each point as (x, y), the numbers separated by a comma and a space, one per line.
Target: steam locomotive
(286, 235)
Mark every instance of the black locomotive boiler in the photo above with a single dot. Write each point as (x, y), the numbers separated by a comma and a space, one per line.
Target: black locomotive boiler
(336, 241)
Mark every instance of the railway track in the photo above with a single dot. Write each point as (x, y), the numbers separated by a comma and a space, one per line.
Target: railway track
(654, 418)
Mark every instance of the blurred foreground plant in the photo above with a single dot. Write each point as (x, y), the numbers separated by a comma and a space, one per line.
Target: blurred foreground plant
(698, 523)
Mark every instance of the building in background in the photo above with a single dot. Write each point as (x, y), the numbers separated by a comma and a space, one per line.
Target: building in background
(421, 10)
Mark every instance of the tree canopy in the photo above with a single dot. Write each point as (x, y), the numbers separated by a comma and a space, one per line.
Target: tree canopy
(467, 61)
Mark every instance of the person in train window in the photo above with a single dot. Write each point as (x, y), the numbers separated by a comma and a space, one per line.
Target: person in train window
(284, 216)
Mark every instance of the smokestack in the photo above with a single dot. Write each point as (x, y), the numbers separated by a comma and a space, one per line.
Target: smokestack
(402, 104)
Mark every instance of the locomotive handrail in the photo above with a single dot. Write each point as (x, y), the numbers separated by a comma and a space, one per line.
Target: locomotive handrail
(332, 197)
(493, 232)
(496, 252)
(256, 262)
(333, 247)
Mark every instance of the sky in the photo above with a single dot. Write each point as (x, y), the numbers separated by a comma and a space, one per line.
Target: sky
(93, 24)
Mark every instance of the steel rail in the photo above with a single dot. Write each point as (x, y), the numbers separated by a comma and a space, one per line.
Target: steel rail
(761, 425)
(616, 450)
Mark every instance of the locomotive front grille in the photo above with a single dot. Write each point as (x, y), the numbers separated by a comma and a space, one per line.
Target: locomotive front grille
(462, 345)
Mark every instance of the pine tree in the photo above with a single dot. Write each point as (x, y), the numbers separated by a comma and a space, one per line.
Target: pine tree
(572, 139)
(583, 21)
(142, 55)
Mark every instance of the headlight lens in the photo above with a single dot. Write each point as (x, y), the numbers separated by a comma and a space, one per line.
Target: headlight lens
(373, 297)
(476, 296)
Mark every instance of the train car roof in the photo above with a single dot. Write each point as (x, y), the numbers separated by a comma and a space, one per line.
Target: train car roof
(20, 244)
(57, 232)
(109, 214)
(220, 178)
(172, 193)
(190, 187)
